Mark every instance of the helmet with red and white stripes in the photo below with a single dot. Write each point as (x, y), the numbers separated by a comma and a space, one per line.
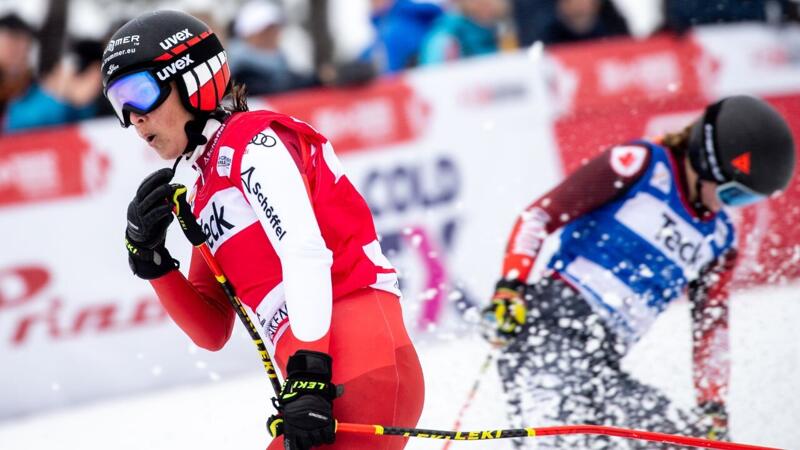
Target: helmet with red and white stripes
(148, 53)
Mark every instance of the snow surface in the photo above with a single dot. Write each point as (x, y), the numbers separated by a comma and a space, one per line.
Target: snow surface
(230, 413)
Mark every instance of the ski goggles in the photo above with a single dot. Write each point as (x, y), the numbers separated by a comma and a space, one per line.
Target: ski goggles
(138, 92)
(733, 193)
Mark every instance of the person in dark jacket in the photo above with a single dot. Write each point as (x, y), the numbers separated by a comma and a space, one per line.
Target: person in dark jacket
(581, 20)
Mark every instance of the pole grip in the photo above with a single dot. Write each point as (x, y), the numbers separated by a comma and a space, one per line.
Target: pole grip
(180, 206)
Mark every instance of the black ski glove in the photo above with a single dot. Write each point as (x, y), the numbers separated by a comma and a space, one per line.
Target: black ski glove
(305, 405)
(149, 215)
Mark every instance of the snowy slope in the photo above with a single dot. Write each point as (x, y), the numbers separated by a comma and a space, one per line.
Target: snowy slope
(230, 413)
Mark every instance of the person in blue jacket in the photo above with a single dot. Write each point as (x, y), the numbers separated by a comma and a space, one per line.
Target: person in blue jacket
(468, 31)
(640, 225)
(400, 28)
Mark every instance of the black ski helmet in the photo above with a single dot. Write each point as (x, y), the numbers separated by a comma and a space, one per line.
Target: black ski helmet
(743, 139)
(171, 46)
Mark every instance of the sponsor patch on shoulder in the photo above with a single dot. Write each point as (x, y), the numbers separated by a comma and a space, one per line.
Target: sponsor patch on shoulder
(626, 160)
(224, 161)
(661, 178)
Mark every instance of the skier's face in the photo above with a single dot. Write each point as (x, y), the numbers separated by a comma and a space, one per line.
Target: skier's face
(707, 194)
(163, 128)
(709, 197)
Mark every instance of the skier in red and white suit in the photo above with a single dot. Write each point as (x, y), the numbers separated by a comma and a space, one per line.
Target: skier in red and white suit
(289, 230)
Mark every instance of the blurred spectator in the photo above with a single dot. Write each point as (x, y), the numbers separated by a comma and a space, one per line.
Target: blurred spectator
(470, 30)
(16, 41)
(88, 54)
(254, 54)
(580, 20)
(531, 18)
(66, 88)
(65, 95)
(328, 71)
(557, 21)
(680, 15)
(400, 27)
(209, 12)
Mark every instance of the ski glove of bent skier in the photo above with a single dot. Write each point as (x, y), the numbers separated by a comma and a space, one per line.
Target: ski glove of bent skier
(503, 319)
(717, 416)
(149, 216)
(305, 404)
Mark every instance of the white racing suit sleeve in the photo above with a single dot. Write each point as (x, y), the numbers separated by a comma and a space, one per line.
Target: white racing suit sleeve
(274, 186)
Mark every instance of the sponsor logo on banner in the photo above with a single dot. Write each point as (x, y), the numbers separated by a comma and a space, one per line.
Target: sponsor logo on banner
(35, 312)
(609, 92)
(623, 70)
(224, 215)
(49, 165)
(399, 194)
(653, 72)
(383, 113)
(19, 285)
(415, 185)
(495, 93)
(175, 39)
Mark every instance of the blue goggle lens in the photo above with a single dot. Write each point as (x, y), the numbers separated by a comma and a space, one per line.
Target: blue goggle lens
(138, 91)
(734, 193)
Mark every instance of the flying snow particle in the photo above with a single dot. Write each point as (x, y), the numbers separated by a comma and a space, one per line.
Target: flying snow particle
(535, 51)
(455, 295)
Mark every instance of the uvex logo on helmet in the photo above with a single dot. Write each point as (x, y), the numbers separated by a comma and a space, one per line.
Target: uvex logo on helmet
(173, 40)
(176, 66)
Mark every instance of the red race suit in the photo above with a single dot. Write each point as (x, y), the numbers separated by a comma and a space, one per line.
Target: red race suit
(297, 241)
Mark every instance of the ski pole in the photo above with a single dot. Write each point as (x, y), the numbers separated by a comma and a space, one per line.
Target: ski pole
(471, 395)
(482, 435)
(196, 236)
